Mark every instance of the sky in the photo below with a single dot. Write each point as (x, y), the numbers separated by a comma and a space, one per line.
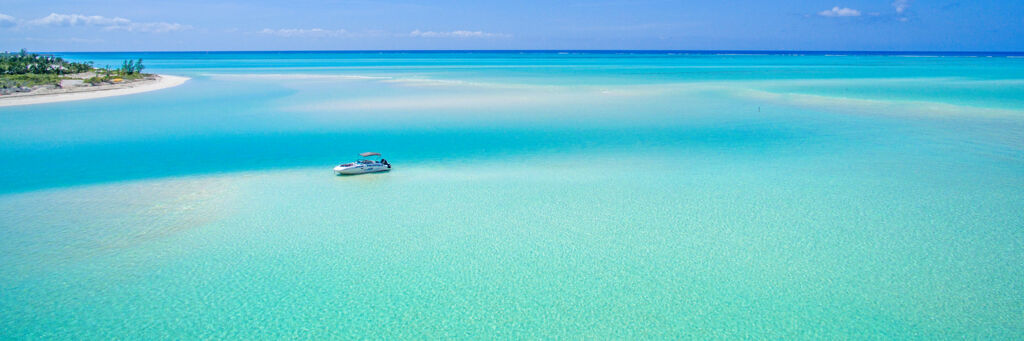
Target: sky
(212, 25)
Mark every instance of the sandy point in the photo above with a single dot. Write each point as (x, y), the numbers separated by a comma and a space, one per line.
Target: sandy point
(161, 82)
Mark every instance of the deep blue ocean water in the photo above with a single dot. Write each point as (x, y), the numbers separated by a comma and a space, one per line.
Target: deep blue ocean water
(603, 194)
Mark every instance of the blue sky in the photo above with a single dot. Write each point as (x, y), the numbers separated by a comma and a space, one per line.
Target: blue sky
(196, 25)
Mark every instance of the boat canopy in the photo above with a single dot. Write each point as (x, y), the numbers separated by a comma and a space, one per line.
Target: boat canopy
(368, 154)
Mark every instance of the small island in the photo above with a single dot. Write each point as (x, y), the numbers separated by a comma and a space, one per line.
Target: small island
(32, 78)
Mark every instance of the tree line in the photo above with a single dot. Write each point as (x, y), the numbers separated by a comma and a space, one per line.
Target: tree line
(33, 63)
(22, 63)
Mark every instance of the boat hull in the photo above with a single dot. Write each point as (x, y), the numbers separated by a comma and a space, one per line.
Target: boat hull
(360, 170)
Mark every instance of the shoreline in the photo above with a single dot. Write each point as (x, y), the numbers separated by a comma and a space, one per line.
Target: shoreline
(78, 94)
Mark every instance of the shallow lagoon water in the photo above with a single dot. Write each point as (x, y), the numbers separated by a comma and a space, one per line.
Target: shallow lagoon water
(534, 195)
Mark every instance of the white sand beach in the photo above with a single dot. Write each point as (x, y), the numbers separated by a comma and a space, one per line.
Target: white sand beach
(84, 93)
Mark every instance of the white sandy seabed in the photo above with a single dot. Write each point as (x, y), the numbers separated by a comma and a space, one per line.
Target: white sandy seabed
(162, 82)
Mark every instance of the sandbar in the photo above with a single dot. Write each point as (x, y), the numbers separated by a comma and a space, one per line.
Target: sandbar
(91, 92)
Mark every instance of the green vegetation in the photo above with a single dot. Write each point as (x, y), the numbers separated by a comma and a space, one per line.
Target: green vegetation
(132, 67)
(130, 70)
(24, 69)
(28, 80)
(31, 63)
(113, 76)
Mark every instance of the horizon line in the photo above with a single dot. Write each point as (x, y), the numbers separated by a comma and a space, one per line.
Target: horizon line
(560, 50)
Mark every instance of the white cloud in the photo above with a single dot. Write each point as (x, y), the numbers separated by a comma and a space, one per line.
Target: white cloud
(55, 19)
(840, 12)
(457, 34)
(901, 5)
(155, 27)
(305, 32)
(7, 21)
(106, 23)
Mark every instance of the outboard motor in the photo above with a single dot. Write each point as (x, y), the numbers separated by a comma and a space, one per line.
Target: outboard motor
(385, 162)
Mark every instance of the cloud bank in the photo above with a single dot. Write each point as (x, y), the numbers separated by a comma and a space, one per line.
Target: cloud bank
(67, 20)
(98, 21)
(7, 21)
(457, 34)
(901, 5)
(305, 32)
(840, 12)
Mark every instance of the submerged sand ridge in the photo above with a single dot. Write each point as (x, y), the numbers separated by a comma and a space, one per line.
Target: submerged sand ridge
(75, 93)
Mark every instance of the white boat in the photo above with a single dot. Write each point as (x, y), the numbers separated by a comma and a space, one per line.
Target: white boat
(367, 164)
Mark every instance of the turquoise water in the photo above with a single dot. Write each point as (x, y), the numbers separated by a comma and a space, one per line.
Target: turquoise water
(535, 195)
